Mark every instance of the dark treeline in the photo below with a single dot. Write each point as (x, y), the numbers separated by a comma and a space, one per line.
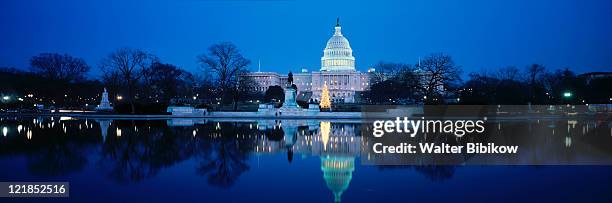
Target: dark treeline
(137, 81)
(140, 82)
(21, 89)
(536, 85)
(435, 80)
(429, 81)
(55, 79)
(144, 81)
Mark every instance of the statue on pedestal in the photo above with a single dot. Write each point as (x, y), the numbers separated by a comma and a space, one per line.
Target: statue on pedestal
(290, 95)
(104, 103)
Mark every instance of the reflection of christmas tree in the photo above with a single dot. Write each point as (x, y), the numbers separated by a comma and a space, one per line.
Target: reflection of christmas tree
(325, 126)
(325, 100)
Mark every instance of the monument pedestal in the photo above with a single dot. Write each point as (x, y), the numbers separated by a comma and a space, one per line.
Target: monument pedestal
(290, 105)
(290, 102)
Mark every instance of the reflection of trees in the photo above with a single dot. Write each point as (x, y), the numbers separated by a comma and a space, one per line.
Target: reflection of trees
(58, 159)
(431, 172)
(436, 172)
(58, 153)
(223, 158)
(140, 153)
(48, 149)
(224, 165)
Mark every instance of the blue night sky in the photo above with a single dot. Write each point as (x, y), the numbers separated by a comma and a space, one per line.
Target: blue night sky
(289, 35)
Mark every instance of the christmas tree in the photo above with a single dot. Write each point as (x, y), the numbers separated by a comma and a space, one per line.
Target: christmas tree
(325, 100)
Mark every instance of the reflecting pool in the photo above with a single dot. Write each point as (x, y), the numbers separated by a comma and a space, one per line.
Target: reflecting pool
(191, 160)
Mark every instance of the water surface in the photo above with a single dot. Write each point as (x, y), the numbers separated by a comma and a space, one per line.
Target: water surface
(276, 161)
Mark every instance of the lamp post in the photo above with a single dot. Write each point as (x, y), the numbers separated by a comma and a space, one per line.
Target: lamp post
(567, 95)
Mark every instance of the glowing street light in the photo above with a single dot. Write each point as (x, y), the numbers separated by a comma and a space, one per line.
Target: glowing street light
(567, 94)
(6, 98)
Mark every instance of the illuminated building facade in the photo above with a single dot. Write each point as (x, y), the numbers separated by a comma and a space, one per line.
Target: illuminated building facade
(337, 71)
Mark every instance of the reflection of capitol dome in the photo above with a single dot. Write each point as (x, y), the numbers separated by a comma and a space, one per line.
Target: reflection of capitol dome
(337, 172)
(338, 55)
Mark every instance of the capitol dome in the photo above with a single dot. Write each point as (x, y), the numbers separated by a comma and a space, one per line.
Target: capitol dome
(338, 55)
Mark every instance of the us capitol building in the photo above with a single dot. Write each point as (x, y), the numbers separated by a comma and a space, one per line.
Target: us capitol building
(337, 72)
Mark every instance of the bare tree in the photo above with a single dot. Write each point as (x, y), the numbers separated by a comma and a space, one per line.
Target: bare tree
(112, 81)
(226, 62)
(246, 89)
(437, 72)
(205, 87)
(384, 71)
(59, 67)
(130, 65)
(533, 72)
(165, 81)
(508, 73)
